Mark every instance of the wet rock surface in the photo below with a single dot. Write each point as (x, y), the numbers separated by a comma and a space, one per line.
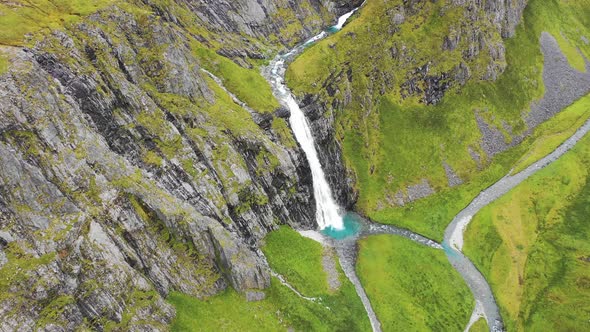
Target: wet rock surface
(330, 152)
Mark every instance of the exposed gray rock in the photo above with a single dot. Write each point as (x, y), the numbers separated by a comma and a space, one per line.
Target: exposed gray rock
(452, 177)
(255, 296)
(493, 140)
(563, 84)
(419, 190)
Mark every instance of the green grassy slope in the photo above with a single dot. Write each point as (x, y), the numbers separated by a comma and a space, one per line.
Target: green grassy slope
(480, 326)
(298, 259)
(19, 18)
(392, 143)
(533, 246)
(412, 287)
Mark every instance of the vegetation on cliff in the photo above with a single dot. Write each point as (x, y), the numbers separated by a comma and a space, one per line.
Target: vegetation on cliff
(127, 172)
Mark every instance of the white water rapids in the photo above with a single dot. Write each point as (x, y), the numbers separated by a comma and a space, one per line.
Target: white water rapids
(327, 211)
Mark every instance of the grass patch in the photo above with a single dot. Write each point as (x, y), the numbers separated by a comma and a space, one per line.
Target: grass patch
(480, 326)
(247, 84)
(3, 64)
(412, 287)
(538, 266)
(299, 260)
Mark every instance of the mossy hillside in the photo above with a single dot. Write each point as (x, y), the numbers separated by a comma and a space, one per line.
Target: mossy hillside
(300, 263)
(21, 18)
(19, 269)
(247, 84)
(291, 29)
(37, 18)
(220, 121)
(391, 142)
(412, 287)
(431, 215)
(224, 119)
(532, 246)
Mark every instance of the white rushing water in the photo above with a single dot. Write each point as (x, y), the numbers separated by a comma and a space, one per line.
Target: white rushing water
(342, 19)
(327, 211)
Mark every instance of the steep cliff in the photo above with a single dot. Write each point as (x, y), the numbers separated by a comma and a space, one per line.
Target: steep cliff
(127, 171)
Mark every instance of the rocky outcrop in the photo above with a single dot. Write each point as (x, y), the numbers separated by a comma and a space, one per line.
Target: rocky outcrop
(563, 85)
(505, 14)
(127, 173)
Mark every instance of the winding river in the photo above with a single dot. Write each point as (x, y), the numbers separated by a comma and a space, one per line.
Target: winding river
(453, 239)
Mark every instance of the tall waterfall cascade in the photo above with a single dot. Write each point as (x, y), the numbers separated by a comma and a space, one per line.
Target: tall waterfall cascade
(328, 214)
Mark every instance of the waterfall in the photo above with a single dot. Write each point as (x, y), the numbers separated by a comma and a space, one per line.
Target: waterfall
(327, 211)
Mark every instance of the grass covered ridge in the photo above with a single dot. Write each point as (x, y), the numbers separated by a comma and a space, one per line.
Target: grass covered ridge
(19, 18)
(533, 246)
(412, 287)
(298, 259)
(392, 143)
(247, 84)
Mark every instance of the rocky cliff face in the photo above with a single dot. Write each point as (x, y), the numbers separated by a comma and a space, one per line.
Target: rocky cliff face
(127, 172)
